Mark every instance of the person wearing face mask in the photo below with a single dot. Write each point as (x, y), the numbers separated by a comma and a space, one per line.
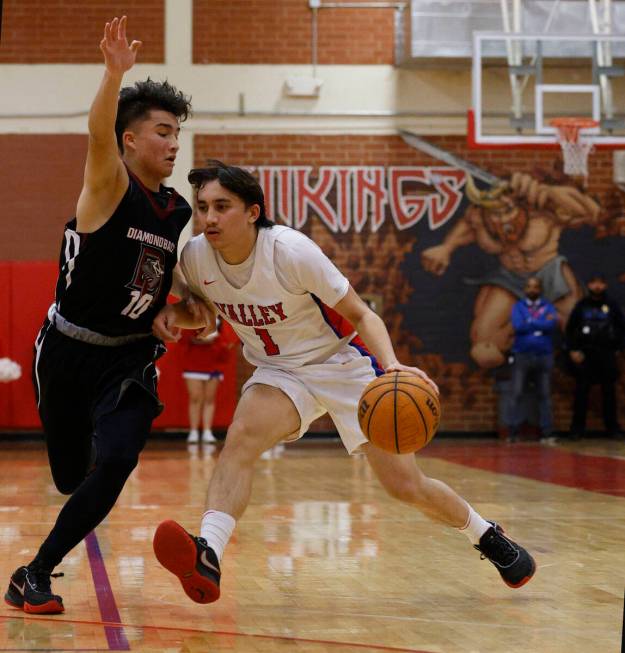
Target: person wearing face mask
(594, 334)
(534, 321)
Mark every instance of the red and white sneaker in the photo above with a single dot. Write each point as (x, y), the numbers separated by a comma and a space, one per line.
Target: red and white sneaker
(190, 559)
(29, 590)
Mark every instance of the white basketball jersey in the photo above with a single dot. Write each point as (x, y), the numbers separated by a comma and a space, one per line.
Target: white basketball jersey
(277, 328)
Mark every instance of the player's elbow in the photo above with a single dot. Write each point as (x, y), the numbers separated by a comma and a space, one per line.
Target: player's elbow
(365, 318)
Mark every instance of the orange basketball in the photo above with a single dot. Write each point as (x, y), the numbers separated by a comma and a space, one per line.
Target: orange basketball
(399, 412)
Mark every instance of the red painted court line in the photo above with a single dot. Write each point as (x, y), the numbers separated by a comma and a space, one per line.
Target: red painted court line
(228, 633)
(548, 464)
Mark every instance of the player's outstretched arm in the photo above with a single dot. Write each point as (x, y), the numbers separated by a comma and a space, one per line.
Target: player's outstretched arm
(373, 331)
(105, 178)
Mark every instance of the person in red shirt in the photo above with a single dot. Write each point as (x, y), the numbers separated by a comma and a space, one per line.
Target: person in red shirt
(204, 362)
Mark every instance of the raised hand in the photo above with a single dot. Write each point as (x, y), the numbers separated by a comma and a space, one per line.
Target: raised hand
(118, 55)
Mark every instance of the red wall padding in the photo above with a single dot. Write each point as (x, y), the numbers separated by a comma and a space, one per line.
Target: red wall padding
(26, 292)
(31, 288)
(5, 335)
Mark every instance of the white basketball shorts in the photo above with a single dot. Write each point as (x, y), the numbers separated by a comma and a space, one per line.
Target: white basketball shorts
(334, 386)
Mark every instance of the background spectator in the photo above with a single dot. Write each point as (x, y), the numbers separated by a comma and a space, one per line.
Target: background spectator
(594, 333)
(534, 320)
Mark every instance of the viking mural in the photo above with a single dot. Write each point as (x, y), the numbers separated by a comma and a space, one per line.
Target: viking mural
(520, 222)
(444, 249)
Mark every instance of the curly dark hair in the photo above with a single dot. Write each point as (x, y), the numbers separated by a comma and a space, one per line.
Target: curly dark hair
(237, 181)
(135, 103)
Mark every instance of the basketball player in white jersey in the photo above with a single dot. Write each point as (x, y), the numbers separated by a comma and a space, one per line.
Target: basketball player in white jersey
(293, 310)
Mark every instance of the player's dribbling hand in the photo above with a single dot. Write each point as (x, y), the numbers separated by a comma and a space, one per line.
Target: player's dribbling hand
(398, 367)
(202, 313)
(164, 327)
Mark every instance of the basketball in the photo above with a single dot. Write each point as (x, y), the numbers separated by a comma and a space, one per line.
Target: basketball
(399, 412)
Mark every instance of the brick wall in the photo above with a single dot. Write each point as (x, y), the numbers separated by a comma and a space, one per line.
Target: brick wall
(294, 149)
(41, 186)
(356, 36)
(373, 261)
(69, 31)
(268, 32)
(38, 203)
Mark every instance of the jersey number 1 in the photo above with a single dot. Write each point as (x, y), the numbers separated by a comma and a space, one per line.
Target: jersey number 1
(271, 349)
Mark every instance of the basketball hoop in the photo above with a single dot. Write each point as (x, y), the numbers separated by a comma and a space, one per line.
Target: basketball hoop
(576, 145)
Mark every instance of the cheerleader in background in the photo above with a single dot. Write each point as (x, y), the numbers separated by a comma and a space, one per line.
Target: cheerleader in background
(204, 362)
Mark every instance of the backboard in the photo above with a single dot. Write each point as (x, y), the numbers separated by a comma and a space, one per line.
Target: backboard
(521, 81)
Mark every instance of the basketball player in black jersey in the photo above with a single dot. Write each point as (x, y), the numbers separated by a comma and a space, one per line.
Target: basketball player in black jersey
(94, 372)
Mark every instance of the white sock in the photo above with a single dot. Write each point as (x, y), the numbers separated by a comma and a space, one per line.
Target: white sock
(475, 527)
(217, 529)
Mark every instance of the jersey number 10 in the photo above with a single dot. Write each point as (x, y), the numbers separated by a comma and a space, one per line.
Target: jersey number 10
(138, 304)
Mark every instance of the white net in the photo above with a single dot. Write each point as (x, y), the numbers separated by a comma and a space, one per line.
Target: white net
(576, 143)
(575, 155)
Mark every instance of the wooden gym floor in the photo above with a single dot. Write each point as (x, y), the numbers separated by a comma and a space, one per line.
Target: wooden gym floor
(324, 561)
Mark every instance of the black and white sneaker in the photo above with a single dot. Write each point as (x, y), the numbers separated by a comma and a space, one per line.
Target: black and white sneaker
(514, 564)
(190, 559)
(30, 590)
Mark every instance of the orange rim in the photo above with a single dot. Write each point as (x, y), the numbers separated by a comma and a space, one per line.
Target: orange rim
(569, 127)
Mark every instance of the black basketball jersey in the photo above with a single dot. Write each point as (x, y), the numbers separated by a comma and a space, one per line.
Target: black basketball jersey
(116, 279)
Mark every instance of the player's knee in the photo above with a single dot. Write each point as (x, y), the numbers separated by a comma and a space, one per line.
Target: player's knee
(118, 462)
(239, 431)
(67, 485)
(241, 442)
